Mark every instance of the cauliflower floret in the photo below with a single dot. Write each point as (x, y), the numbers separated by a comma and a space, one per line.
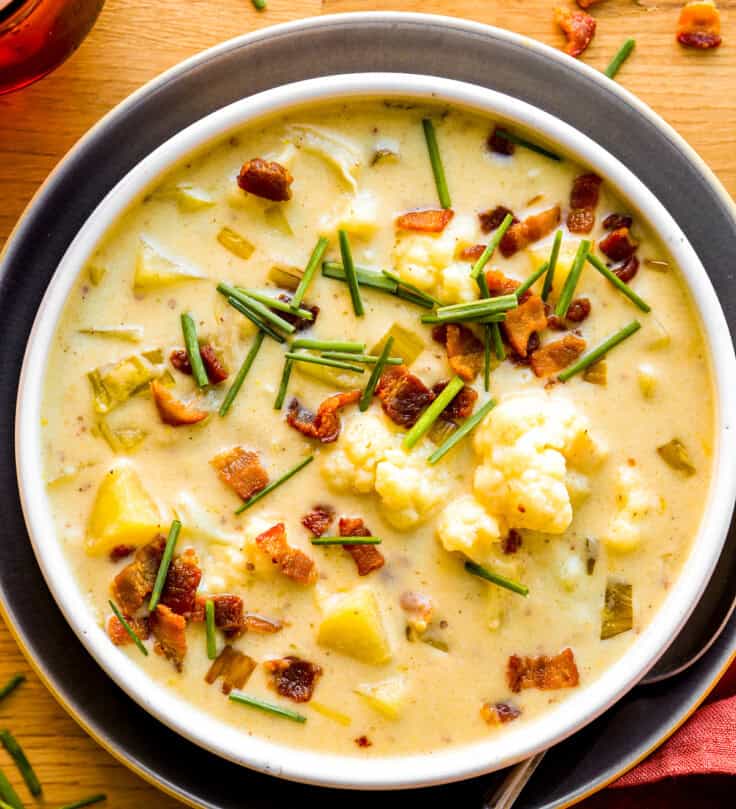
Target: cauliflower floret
(465, 526)
(634, 502)
(223, 569)
(455, 284)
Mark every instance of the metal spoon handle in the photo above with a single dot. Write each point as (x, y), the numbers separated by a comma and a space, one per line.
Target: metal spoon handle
(510, 788)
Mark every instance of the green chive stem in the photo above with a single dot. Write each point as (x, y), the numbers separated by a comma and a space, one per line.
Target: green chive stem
(209, 618)
(275, 484)
(256, 306)
(619, 284)
(368, 359)
(599, 351)
(163, 568)
(527, 144)
(532, 279)
(367, 396)
(11, 685)
(16, 752)
(495, 578)
(227, 402)
(86, 801)
(346, 541)
(487, 357)
(4, 805)
(435, 159)
(498, 318)
(268, 707)
(491, 246)
(550, 277)
(347, 366)
(189, 329)
(275, 303)
(412, 297)
(621, 56)
(571, 282)
(349, 267)
(467, 426)
(367, 278)
(311, 268)
(498, 346)
(328, 345)
(8, 794)
(129, 629)
(484, 306)
(284, 384)
(259, 322)
(432, 413)
(414, 289)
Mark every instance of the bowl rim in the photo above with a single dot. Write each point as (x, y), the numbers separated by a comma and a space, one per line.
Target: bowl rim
(390, 771)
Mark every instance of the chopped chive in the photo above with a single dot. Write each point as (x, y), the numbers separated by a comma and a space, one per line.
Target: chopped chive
(311, 268)
(487, 357)
(411, 288)
(256, 306)
(435, 160)
(468, 425)
(527, 144)
(367, 396)
(599, 351)
(479, 308)
(492, 318)
(189, 329)
(498, 347)
(550, 277)
(495, 578)
(498, 318)
(268, 707)
(275, 303)
(349, 267)
(163, 568)
(367, 278)
(284, 384)
(347, 366)
(568, 290)
(259, 5)
(482, 282)
(209, 617)
(275, 484)
(412, 297)
(619, 284)
(227, 402)
(345, 541)
(369, 359)
(8, 794)
(432, 413)
(328, 345)
(86, 801)
(532, 279)
(19, 757)
(623, 54)
(129, 629)
(491, 246)
(4, 805)
(248, 312)
(11, 685)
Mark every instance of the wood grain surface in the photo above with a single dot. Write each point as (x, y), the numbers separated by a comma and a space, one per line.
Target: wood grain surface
(133, 41)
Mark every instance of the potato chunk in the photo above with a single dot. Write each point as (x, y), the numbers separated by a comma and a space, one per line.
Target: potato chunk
(154, 269)
(352, 625)
(386, 697)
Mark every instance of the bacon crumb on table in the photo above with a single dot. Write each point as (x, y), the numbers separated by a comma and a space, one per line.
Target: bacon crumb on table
(554, 357)
(430, 221)
(583, 202)
(293, 677)
(543, 672)
(233, 667)
(266, 179)
(499, 713)
(241, 470)
(318, 520)
(169, 629)
(578, 28)
(173, 411)
(523, 321)
(403, 395)
(292, 562)
(367, 557)
(132, 586)
(699, 25)
(324, 425)
(529, 230)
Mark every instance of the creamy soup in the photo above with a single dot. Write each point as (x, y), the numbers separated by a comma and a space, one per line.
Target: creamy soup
(530, 491)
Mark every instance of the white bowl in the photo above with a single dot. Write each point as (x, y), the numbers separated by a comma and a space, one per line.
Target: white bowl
(455, 763)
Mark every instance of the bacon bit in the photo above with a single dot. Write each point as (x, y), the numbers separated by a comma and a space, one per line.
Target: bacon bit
(324, 425)
(216, 371)
(117, 634)
(500, 145)
(699, 26)
(132, 586)
(419, 608)
(583, 202)
(292, 562)
(182, 580)
(522, 322)
(363, 741)
(367, 557)
(431, 221)
(472, 253)
(500, 284)
(120, 552)
(511, 542)
(403, 396)
(578, 28)
(543, 672)
(261, 625)
(555, 323)
(293, 677)
(587, 3)
(241, 470)
(578, 310)
(180, 360)
(169, 629)
(618, 245)
(499, 713)
(300, 323)
(172, 410)
(626, 272)
(461, 406)
(318, 520)
(492, 218)
(266, 179)
(234, 667)
(464, 349)
(614, 221)
(553, 357)
(228, 613)
(531, 229)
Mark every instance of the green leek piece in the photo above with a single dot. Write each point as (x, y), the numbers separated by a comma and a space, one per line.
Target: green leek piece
(618, 611)
(674, 454)
(276, 219)
(407, 344)
(96, 274)
(121, 439)
(285, 276)
(238, 245)
(131, 334)
(116, 382)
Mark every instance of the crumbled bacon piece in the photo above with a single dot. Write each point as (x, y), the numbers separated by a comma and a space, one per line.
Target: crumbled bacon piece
(120, 552)
(180, 360)
(403, 396)
(627, 271)
(228, 613)
(464, 349)
(472, 253)
(461, 406)
(367, 557)
(511, 542)
(300, 323)
(522, 321)
(260, 624)
(234, 667)
(216, 371)
(492, 218)
(266, 179)
(500, 284)
(117, 634)
(292, 562)
(530, 230)
(132, 586)
(431, 221)
(499, 713)
(500, 145)
(293, 677)
(543, 672)
(324, 425)
(318, 520)
(553, 357)
(583, 202)
(363, 741)
(699, 25)
(419, 608)
(587, 3)
(555, 323)
(578, 28)
(578, 310)
(172, 410)
(241, 470)
(182, 580)
(614, 221)
(618, 245)
(169, 629)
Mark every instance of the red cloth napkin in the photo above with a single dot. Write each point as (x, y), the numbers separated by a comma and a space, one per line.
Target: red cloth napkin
(704, 745)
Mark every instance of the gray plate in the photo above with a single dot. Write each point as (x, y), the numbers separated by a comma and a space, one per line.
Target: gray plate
(341, 44)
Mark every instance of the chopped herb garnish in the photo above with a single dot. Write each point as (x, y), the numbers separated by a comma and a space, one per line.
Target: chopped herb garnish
(599, 351)
(487, 357)
(432, 413)
(275, 303)
(129, 629)
(86, 801)
(617, 615)
(435, 160)
(345, 541)
(618, 283)
(192, 345)
(367, 278)
(257, 307)
(275, 484)
(21, 761)
(242, 373)
(311, 268)
(350, 274)
(367, 396)
(495, 578)
(248, 312)
(532, 279)
(415, 291)
(473, 310)
(209, 618)
(284, 384)
(369, 359)
(347, 366)
(571, 282)
(467, 426)
(550, 277)
(495, 240)
(412, 297)
(623, 54)
(527, 144)
(8, 794)
(11, 685)
(268, 707)
(329, 345)
(163, 568)
(497, 340)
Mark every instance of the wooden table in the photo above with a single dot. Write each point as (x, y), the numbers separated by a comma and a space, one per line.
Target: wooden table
(133, 41)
